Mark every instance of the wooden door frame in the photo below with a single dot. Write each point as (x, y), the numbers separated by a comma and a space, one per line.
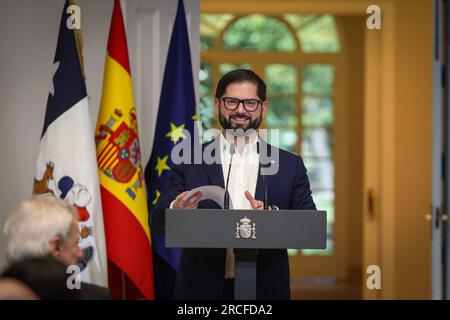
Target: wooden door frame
(379, 154)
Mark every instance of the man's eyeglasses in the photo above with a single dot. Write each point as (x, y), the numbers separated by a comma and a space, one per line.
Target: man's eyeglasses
(250, 105)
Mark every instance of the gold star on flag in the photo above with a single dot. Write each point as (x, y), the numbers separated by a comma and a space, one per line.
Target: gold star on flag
(156, 198)
(161, 165)
(195, 117)
(176, 133)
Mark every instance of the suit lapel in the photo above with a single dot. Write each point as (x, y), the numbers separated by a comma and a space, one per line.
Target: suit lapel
(215, 174)
(214, 170)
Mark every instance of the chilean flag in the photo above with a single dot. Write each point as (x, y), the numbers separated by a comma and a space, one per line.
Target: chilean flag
(66, 164)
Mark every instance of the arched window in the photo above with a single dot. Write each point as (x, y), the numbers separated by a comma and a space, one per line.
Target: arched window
(257, 32)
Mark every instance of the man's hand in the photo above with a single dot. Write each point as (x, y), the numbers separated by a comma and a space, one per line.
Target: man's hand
(191, 203)
(256, 204)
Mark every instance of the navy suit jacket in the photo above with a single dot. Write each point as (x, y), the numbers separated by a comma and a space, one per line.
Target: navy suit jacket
(201, 271)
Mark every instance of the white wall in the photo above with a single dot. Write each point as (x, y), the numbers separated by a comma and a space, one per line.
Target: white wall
(28, 33)
(149, 26)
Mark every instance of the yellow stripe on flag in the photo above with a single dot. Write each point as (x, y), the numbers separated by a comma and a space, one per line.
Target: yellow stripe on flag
(117, 102)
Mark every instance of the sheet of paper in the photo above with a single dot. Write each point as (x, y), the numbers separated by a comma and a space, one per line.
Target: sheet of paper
(210, 192)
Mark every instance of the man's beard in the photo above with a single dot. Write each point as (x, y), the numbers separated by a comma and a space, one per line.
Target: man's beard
(252, 124)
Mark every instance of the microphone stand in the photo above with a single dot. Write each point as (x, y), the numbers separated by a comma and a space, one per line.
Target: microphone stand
(226, 197)
(266, 206)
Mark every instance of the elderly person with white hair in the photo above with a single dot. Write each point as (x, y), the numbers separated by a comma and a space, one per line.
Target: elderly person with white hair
(44, 225)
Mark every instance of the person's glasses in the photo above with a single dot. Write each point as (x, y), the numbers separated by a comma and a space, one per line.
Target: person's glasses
(250, 105)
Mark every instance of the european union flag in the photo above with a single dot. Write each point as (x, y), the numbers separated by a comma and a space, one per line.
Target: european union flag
(176, 112)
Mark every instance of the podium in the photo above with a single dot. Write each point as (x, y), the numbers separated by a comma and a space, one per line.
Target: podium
(246, 231)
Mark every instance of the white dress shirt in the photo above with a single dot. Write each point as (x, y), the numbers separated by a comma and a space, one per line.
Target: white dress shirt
(243, 177)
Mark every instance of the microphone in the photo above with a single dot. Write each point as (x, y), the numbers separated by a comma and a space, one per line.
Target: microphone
(226, 197)
(266, 207)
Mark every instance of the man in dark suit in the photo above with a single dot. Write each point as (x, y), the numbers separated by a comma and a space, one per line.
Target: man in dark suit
(241, 106)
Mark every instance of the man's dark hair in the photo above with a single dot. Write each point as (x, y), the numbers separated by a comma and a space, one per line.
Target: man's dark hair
(44, 275)
(238, 76)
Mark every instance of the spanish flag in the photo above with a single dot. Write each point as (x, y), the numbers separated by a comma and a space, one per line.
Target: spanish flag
(122, 185)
